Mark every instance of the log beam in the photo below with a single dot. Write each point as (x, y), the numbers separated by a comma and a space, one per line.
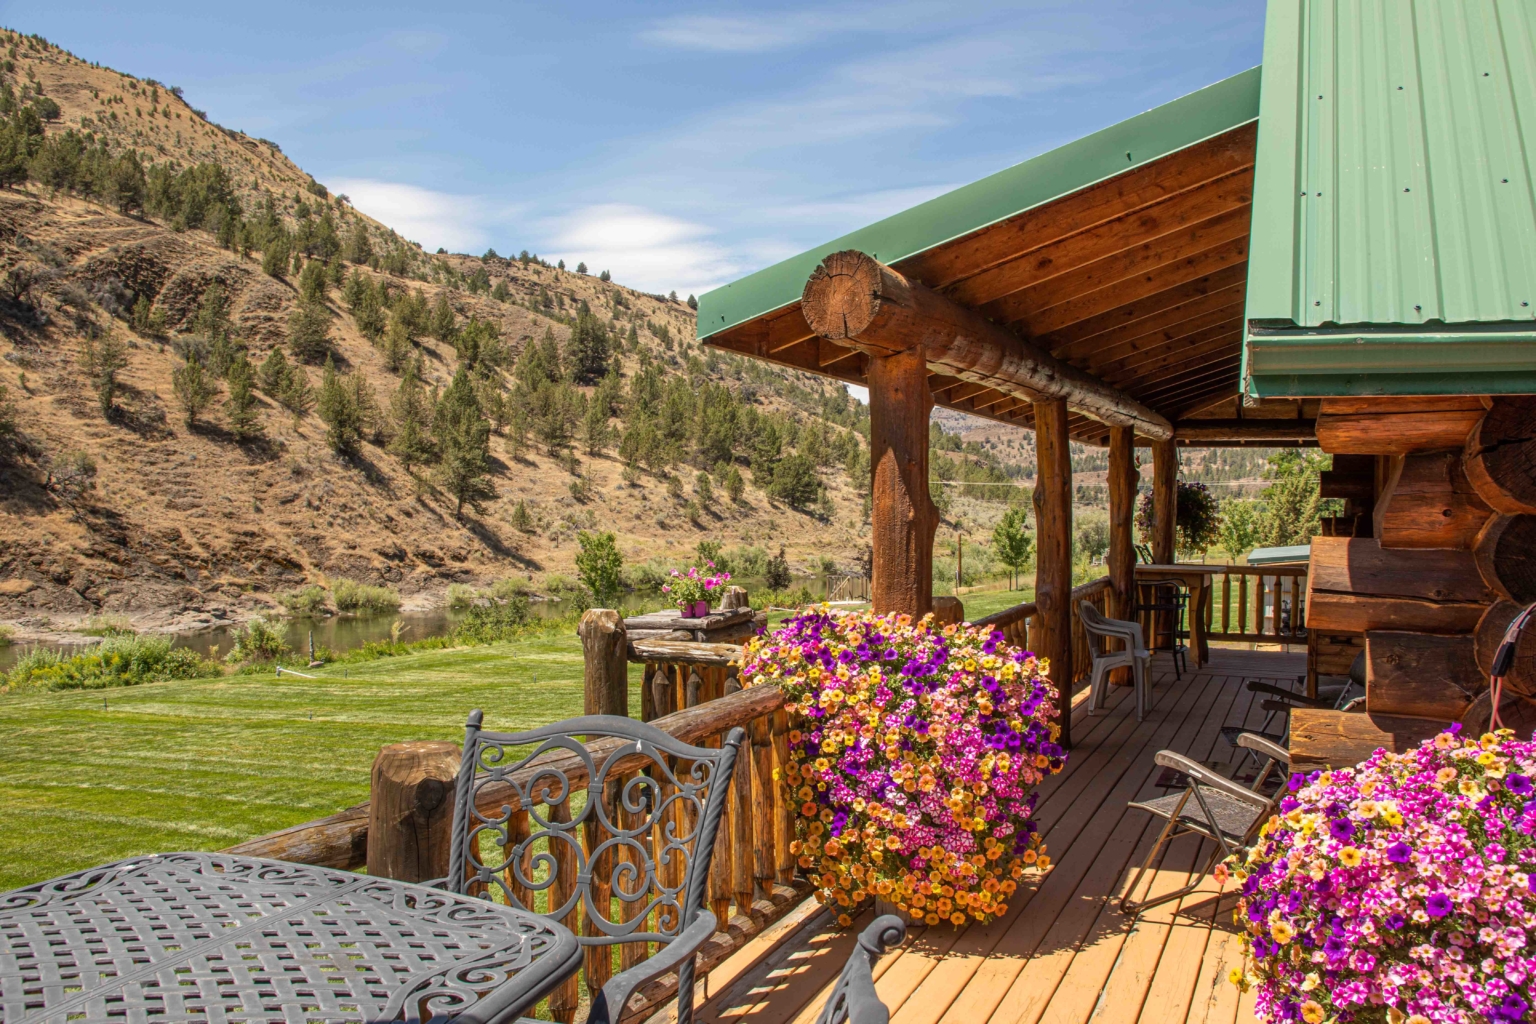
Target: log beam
(1501, 455)
(1053, 564)
(1427, 502)
(1202, 431)
(904, 518)
(857, 301)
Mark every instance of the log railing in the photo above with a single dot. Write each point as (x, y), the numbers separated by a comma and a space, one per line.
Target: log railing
(1018, 623)
(1257, 604)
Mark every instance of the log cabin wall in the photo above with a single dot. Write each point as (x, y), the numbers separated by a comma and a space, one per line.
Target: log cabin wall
(1436, 552)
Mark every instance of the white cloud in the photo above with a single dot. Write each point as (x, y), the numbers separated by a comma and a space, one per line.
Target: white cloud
(457, 223)
(723, 33)
(642, 248)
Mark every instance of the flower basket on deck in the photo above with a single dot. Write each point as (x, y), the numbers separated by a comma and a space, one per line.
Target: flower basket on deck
(913, 762)
(1400, 891)
(693, 588)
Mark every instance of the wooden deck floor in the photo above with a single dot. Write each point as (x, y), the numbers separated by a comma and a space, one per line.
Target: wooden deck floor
(1063, 954)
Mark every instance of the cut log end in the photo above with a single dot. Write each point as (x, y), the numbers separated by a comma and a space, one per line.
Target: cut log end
(842, 296)
(1506, 557)
(1501, 455)
(1521, 678)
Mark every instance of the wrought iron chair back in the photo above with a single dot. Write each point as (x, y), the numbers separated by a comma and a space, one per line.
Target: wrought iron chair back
(652, 809)
(853, 999)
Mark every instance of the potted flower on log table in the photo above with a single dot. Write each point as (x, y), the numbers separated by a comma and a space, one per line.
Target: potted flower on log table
(913, 759)
(1402, 890)
(692, 589)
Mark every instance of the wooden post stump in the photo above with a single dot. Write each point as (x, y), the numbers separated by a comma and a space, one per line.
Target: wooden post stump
(605, 651)
(735, 597)
(948, 610)
(410, 810)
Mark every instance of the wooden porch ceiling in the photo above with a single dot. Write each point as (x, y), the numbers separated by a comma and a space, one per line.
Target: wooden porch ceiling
(1138, 279)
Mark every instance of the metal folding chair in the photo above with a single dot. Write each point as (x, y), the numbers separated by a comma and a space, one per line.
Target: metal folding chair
(853, 1000)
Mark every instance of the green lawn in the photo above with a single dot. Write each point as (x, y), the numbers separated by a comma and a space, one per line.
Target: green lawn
(983, 603)
(201, 765)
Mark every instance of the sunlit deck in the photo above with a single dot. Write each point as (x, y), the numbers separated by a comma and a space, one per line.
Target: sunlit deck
(1063, 954)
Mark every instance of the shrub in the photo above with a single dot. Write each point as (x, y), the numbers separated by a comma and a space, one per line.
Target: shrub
(493, 623)
(7, 636)
(116, 661)
(311, 601)
(461, 597)
(107, 625)
(257, 640)
(351, 596)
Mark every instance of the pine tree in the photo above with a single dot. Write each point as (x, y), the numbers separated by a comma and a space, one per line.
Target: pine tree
(337, 407)
(274, 256)
(297, 396)
(522, 520)
(357, 248)
(274, 373)
(370, 420)
(410, 413)
(103, 361)
(240, 407)
(195, 389)
(397, 346)
(693, 303)
(501, 293)
(595, 433)
(441, 324)
(368, 311)
(309, 332)
(704, 489)
(464, 439)
(734, 485)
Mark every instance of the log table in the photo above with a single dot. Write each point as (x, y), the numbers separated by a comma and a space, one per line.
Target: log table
(214, 936)
(1196, 578)
(722, 626)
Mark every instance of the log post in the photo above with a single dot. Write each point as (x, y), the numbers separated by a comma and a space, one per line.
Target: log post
(1053, 572)
(735, 597)
(784, 802)
(604, 647)
(764, 834)
(904, 516)
(410, 810)
(1165, 500)
(1122, 510)
(565, 998)
(948, 610)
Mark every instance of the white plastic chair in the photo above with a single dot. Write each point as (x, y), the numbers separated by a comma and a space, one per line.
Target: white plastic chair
(1133, 656)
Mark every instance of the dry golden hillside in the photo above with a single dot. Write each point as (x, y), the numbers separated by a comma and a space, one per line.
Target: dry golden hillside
(138, 513)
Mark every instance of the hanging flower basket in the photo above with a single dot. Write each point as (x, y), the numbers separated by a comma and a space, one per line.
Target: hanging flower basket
(915, 759)
(1400, 891)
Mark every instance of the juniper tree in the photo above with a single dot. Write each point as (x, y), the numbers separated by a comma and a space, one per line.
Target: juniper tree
(274, 255)
(297, 396)
(312, 281)
(309, 332)
(501, 293)
(357, 248)
(596, 435)
(586, 351)
(368, 310)
(370, 420)
(195, 388)
(521, 519)
(396, 346)
(464, 444)
(240, 407)
(411, 414)
(734, 485)
(103, 360)
(441, 323)
(274, 373)
(337, 408)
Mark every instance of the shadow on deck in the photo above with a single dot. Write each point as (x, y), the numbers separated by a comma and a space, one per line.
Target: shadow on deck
(1063, 954)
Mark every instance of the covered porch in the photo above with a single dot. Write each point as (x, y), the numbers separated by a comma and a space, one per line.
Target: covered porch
(1064, 953)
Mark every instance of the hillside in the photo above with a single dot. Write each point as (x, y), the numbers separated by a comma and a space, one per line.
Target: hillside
(116, 504)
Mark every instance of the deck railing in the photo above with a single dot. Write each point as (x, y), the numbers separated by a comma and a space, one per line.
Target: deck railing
(1019, 626)
(1263, 604)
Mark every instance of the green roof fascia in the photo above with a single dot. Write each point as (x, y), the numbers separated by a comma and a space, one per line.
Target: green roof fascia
(1112, 151)
(1487, 359)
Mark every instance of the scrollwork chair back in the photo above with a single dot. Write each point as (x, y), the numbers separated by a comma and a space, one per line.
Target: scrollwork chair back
(854, 1000)
(656, 803)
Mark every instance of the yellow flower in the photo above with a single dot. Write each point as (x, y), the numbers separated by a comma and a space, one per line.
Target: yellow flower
(1311, 982)
(1312, 1012)
(1486, 758)
(1367, 808)
(1350, 857)
(1281, 932)
(843, 920)
(957, 918)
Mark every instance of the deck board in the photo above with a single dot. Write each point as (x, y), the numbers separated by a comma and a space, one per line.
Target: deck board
(1064, 954)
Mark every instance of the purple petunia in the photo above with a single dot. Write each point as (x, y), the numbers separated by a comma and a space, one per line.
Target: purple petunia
(1438, 905)
(1395, 921)
(1520, 785)
(1399, 853)
(1341, 829)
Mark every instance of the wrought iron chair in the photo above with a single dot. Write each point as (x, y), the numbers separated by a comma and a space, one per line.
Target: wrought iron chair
(653, 809)
(853, 1000)
(1165, 601)
(1222, 810)
(1134, 656)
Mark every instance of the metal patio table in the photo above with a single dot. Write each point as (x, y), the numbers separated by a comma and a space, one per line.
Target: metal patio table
(219, 938)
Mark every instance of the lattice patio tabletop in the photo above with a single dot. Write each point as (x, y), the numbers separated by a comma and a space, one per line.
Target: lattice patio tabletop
(217, 938)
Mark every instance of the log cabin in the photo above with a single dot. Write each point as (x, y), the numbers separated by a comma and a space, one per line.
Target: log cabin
(1336, 249)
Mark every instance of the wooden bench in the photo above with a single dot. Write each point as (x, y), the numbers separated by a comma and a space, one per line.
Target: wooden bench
(1338, 739)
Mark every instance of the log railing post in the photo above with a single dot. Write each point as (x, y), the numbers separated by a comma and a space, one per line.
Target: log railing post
(783, 803)
(1053, 573)
(1122, 509)
(566, 997)
(410, 810)
(764, 862)
(605, 652)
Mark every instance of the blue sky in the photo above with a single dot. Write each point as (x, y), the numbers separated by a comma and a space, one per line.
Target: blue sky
(679, 146)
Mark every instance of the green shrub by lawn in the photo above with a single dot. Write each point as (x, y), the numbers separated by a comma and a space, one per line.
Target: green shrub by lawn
(116, 661)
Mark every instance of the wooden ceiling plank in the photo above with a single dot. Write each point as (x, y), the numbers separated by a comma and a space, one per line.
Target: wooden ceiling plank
(1183, 351)
(1175, 392)
(1125, 265)
(1145, 226)
(1151, 312)
(1106, 200)
(1110, 347)
(1157, 280)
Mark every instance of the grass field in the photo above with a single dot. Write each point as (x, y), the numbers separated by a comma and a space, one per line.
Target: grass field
(203, 764)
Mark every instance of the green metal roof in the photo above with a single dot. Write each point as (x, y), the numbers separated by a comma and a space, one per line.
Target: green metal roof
(1144, 138)
(1393, 247)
